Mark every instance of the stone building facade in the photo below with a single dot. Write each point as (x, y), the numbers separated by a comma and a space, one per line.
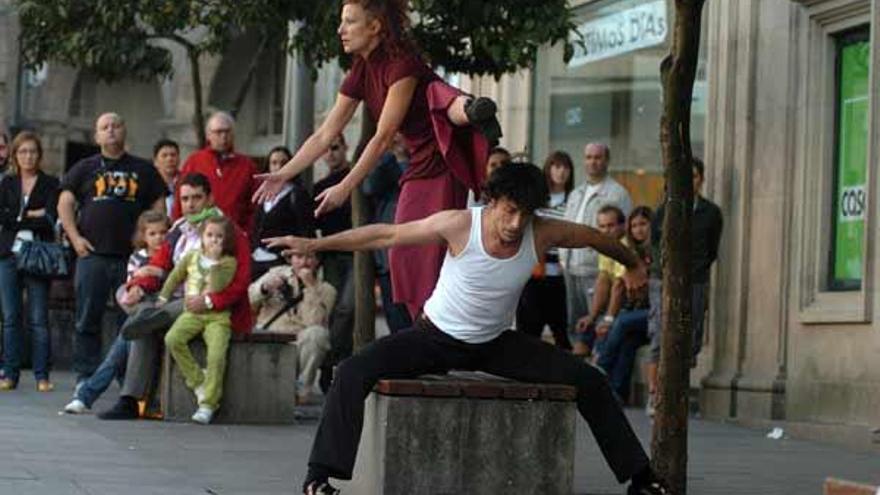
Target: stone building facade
(794, 135)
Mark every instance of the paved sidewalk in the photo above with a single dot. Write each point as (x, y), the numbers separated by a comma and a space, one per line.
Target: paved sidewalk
(42, 452)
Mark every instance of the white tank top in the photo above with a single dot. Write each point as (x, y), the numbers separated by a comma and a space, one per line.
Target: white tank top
(476, 296)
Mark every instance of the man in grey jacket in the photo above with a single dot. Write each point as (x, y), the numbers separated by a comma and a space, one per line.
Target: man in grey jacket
(581, 266)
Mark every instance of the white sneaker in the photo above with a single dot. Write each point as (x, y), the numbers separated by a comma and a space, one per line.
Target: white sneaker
(76, 406)
(203, 415)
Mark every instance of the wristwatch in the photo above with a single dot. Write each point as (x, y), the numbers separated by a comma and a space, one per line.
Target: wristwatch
(208, 302)
(608, 319)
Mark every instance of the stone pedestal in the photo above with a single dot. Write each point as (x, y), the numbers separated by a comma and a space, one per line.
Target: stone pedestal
(466, 433)
(259, 387)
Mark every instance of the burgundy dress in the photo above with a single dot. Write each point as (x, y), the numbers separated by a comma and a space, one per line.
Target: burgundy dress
(445, 161)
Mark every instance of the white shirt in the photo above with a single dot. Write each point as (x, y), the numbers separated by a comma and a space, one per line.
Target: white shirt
(555, 210)
(476, 295)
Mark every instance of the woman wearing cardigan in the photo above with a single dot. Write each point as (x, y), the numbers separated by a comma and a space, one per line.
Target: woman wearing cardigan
(28, 198)
(290, 212)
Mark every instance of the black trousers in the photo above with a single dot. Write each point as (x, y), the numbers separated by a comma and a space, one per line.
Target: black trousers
(543, 303)
(425, 349)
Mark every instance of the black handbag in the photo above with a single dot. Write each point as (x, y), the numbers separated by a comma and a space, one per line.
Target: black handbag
(40, 258)
(44, 259)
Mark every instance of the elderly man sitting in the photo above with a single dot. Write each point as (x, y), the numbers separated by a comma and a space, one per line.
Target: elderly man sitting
(292, 299)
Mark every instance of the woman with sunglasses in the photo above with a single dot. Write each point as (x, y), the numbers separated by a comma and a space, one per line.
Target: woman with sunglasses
(402, 94)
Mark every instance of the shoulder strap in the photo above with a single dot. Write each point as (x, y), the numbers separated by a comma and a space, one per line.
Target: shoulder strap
(476, 233)
(289, 303)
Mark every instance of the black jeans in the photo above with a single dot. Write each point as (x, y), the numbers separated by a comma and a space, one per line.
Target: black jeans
(95, 280)
(425, 349)
(543, 303)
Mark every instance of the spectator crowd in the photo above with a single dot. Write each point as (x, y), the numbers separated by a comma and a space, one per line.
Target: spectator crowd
(177, 248)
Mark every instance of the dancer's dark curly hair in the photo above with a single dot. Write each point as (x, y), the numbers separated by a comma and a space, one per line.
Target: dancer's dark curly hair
(394, 16)
(522, 183)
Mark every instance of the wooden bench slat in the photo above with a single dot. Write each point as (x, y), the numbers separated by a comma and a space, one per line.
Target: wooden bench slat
(841, 487)
(476, 385)
(563, 393)
(264, 337)
(520, 391)
(432, 388)
(399, 387)
(480, 390)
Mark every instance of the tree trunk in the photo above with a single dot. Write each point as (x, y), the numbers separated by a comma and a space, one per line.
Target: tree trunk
(364, 270)
(249, 77)
(198, 112)
(678, 70)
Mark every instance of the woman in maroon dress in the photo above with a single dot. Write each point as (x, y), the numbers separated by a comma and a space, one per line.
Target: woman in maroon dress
(447, 132)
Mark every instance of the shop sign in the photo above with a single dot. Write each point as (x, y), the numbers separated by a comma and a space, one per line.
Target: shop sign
(852, 160)
(851, 204)
(622, 32)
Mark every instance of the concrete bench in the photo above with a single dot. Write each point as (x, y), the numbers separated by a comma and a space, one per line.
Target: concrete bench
(468, 433)
(259, 387)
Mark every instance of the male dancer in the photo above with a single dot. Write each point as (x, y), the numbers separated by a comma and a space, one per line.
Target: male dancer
(466, 322)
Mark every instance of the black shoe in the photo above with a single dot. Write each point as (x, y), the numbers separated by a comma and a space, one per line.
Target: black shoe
(481, 114)
(319, 488)
(651, 488)
(147, 320)
(125, 408)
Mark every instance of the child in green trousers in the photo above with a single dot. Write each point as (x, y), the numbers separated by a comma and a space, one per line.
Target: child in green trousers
(205, 270)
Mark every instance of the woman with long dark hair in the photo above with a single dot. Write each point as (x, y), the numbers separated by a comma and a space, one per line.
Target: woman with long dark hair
(629, 330)
(28, 199)
(402, 94)
(290, 212)
(543, 299)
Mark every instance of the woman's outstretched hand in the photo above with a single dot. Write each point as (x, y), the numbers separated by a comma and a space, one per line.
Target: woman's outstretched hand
(290, 244)
(331, 198)
(270, 186)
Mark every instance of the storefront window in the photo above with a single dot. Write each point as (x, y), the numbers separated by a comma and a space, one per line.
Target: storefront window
(610, 92)
(851, 160)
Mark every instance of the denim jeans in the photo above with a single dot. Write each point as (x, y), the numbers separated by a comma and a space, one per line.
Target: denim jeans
(112, 367)
(578, 293)
(699, 303)
(618, 352)
(97, 277)
(11, 284)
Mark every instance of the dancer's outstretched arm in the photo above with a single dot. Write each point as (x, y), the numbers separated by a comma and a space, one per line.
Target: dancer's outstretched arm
(397, 104)
(559, 233)
(442, 227)
(312, 149)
